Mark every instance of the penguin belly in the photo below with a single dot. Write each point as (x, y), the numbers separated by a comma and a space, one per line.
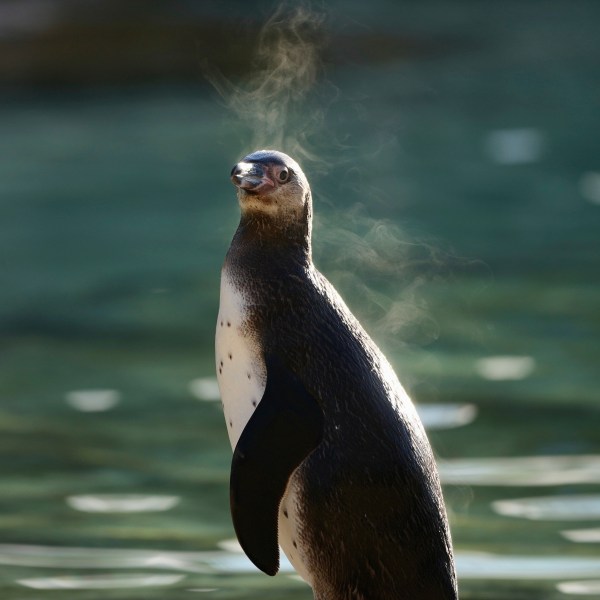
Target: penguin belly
(290, 528)
(241, 374)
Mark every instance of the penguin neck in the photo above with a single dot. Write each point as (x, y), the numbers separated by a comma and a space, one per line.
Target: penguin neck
(262, 237)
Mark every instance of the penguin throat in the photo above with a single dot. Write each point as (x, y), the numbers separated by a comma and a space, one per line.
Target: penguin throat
(276, 234)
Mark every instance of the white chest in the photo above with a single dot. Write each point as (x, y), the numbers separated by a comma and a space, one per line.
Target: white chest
(240, 368)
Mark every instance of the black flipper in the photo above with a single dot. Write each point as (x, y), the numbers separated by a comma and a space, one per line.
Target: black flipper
(285, 427)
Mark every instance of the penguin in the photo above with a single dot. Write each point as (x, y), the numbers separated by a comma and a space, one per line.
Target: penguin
(330, 459)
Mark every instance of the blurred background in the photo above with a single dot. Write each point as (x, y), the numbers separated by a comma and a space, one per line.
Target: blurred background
(453, 150)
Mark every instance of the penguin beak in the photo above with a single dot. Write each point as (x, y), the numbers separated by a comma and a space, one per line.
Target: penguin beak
(250, 176)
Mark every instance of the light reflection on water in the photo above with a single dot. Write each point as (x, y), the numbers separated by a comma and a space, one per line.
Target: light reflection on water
(446, 416)
(122, 503)
(481, 565)
(100, 582)
(580, 588)
(205, 388)
(580, 507)
(62, 557)
(515, 146)
(470, 565)
(522, 470)
(93, 400)
(230, 545)
(505, 368)
(589, 185)
(582, 536)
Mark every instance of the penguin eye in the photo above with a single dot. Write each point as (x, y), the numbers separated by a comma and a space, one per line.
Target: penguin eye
(283, 175)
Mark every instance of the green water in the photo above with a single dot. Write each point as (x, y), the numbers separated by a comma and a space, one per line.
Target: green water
(458, 213)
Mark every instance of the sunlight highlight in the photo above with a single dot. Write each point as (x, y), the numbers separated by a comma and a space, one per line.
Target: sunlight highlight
(589, 186)
(100, 582)
(205, 388)
(93, 400)
(470, 565)
(65, 557)
(515, 146)
(230, 545)
(505, 368)
(580, 588)
(483, 565)
(446, 416)
(522, 470)
(122, 503)
(581, 507)
(582, 536)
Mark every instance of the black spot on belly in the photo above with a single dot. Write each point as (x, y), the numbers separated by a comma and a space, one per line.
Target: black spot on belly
(230, 423)
(295, 545)
(220, 370)
(248, 375)
(230, 356)
(221, 363)
(285, 513)
(221, 323)
(228, 323)
(253, 402)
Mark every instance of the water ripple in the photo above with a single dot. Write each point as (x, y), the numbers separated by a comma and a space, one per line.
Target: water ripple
(580, 588)
(551, 508)
(62, 557)
(481, 565)
(100, 582)
(446, 416)
(93, 400)
(505, 368)
(470, 565)
(589, 186)
(205, 388)
(515, 146)
(522, 470)
(230, 545)
(122, 503)
(582, 536)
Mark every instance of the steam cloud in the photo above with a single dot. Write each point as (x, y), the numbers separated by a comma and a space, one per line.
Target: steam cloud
(287, 63)
(381, 270)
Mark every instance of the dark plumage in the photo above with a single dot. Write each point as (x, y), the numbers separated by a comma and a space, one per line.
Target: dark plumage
(334, 427)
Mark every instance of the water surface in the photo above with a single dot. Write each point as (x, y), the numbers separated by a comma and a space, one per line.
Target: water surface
(456, 210)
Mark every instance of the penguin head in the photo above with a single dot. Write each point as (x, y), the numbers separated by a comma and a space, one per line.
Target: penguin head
(272, 184)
